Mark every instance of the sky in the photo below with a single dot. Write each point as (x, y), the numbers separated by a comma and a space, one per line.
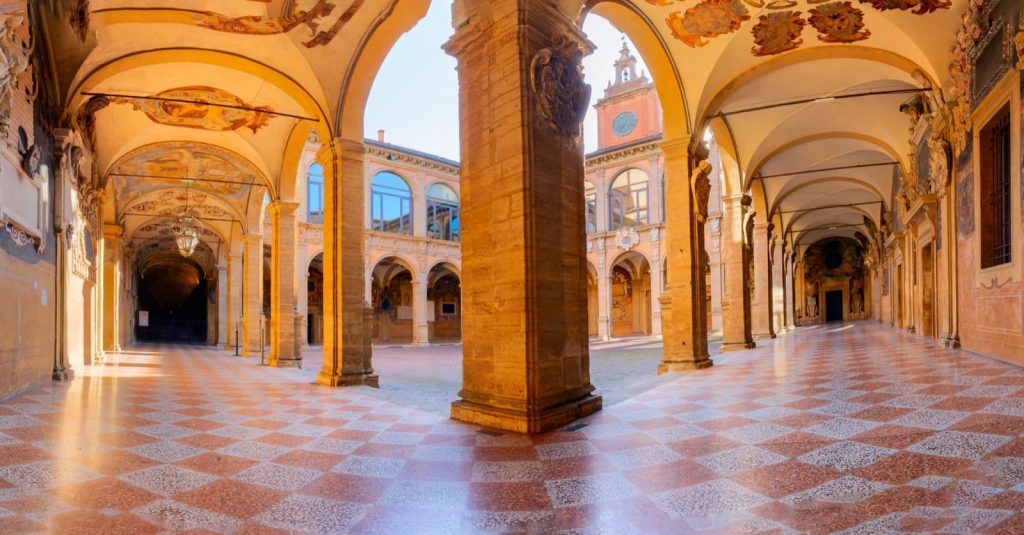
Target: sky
(415, 96)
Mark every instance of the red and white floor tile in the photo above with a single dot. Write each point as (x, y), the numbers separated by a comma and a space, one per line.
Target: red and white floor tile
(859, 429)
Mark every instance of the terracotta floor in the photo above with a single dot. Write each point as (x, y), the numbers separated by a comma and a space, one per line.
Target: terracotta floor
(857, 428)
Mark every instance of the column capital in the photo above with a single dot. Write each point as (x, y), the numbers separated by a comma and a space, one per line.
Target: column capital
(340, 148)
(111, 230)
(250, 239)
(676, 148)
(282, 208)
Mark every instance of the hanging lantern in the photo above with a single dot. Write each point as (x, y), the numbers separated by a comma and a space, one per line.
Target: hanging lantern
(186, 237)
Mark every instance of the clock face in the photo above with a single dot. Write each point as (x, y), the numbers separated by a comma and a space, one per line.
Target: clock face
(624, 123)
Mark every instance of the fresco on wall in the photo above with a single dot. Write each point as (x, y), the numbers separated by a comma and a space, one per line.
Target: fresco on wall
(965, 192)
(831, 261)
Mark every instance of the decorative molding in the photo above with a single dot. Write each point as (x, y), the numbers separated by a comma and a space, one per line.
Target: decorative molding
(397, 155)
(627, 238)
(557, 81)
(623, 153)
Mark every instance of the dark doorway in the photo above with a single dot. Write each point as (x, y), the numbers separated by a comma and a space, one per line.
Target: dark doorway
(834, 305)
(172, 303)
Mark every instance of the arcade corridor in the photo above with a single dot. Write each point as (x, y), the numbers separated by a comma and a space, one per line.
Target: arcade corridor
(827, 428)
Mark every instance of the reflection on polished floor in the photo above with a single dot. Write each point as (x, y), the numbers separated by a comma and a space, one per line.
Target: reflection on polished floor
(857, 427)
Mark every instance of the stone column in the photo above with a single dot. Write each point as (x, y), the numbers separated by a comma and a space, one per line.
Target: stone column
(112, 288)
(762, 302)
(211, 311)
(223, 316)
(252, 289)
(282, 285)
(778, 292)
(234, 300)
(656, 286)
(420, 329)
(526, 361)
(601, 187)
(714, 249)
(604, 303)
(736, 327)
(684, 303)
(347, 351)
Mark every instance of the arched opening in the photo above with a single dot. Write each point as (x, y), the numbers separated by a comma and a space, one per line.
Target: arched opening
(628, 199)
(392, 302)
(315, 194)
(390, 204)
(631, 296)
(442, 213)
(315, 301)
(173, 300)
(444, 304)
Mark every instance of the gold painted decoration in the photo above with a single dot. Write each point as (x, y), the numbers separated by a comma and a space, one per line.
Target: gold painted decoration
(190, 107)
(1018, 42)
(707, 20)
(920, 7)
(778, 32)
(838, 22)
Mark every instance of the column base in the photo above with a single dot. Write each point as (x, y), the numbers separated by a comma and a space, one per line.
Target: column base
(765, 336)
(524, 422)
(736, 346)
(684, 366)
(951, 342)
(63, 374)
(286, 363)
(354, 379)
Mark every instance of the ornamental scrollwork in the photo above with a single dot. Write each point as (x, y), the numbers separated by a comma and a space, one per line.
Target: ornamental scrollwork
(14, 61)
(558, 83)
(700, 183)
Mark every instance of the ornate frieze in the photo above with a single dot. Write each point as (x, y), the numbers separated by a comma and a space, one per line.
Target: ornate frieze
(558, 85)
(624, 153)
(394, 155)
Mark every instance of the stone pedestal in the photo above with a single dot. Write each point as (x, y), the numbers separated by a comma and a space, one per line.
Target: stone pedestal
(526, 362)
(684, 302)
(762, 309)
(252, 294)
(347, 351)
(736, 327)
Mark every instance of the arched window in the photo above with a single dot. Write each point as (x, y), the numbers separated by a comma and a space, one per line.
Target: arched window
(315, 193)
(267, 217)
(590, 199)
(391, 204)
(442, 213)
(628, 200)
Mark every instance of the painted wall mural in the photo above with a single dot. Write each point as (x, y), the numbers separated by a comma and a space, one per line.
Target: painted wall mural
(780, 29)
(322, 18)
(202, 107)
(833, 264)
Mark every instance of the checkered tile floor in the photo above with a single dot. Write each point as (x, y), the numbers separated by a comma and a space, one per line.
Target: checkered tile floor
(860, 429)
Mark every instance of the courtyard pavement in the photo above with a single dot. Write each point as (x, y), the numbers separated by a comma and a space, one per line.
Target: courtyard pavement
(851, 429)
(429, 378)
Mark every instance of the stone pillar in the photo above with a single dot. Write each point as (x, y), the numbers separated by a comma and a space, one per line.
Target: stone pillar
(234, 300)
(223, 315)
(420, 329)
(714, 249)
(762, 310)
(526, 361)
(347, 350)
(211, 311)
(684, 303)
(252, 289)
(790, 275)
(736, 328)
(601, 186)
(112, 288)
(656, 290)
(604, 303)
(282, 285)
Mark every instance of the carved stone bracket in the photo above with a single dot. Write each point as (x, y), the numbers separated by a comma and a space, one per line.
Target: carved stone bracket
(557, 82)
(700, 183)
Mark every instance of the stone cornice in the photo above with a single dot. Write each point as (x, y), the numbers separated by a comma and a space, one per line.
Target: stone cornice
(649, 144)
(394, 153)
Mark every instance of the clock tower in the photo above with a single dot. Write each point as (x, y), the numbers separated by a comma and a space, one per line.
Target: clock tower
(630, 110)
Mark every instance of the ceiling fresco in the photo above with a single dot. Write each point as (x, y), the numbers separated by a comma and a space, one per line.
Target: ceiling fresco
(323, 19)
(780, 27)
(202, 107)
